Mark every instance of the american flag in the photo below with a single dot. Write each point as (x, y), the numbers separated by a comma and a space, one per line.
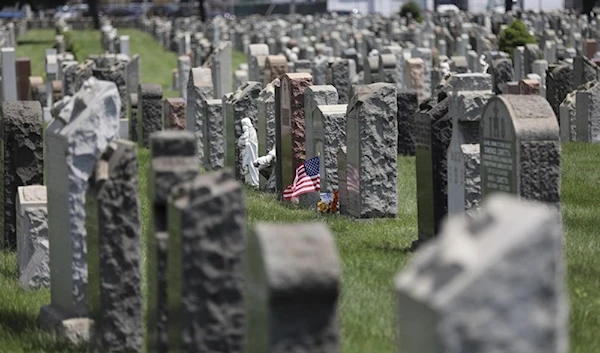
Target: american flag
(307, 179)
(352, 181)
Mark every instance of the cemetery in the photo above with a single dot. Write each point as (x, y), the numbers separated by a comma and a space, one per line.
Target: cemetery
(300, 183)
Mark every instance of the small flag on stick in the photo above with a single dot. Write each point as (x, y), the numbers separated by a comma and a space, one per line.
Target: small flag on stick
(307, 179)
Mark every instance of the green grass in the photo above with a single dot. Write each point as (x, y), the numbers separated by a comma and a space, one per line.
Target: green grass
(372, 251)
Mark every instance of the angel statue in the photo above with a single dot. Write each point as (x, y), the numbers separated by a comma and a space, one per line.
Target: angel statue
(266, 167)
(248, 144)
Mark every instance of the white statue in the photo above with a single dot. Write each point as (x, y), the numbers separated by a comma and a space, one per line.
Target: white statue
(266, 167)
(248, 143)
(484, 64)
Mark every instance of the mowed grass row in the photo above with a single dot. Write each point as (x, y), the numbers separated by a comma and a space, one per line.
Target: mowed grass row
(372, 251)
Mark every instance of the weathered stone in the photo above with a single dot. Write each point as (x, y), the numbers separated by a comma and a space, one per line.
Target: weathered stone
(290, 128)
(68, 72)
(82, 129)
(257, 54)
(174, 160)
(315, 96)
(371, 69)
(559, 82)
(266, 118)
(342, 155)
(329, 135)
(117, 75)
(184, 66)
(275, 67)
(387, 69)
(83, 72)
(205, 296)
(23, 68)
(21, 159)
(414, 76)
(587, 117)
(584, 71)
(32, 237)
(241, 104)
(371, 140)
(8, 74)
(174, 114)
(520, 151)
(149, 112)
(114, 250)
(340, 79)
(408, 104)
(37, 90)
(199, 89)
(295, 272)
(133, 116)
(320, 68)
(214, 134)
(462, 286)
(132, 74)
(221, 69)
(426, 55)
(529, 87)
(502, 72)
(532, 53)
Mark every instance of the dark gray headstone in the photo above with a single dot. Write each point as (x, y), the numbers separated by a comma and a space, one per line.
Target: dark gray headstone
(559, 83)
(340, 79)
(199, 89)
(133, 117)
(502, 72)
(114, 250)
(408, 105)
(214, 134)
(117, 74)
(21, 159)
(293, 272)
(584, 71)
(174, 160)
(149, 112)
(588, 113)
(206, 246)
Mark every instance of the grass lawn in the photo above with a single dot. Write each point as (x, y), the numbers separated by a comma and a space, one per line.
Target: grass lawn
(372, 251)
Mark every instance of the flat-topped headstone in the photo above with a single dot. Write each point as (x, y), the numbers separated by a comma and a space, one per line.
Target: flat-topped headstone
(114, 250)
(33, 256)
(290, 128)
(471, 271)
(414, 76)
(275, 67)
(529, 87)
(295, 271)
(221, 69)
(184, 66)
(199, 89)
(257, 54)
(328, 136)
(241, 104)
(149, 112)
(132, 74)
(173, 161)
(313, 97)
(205, 299)
(371, 140)
(584, 71)
(23, 67)
(520, 148)
(426, 55)
(9, 74)
(174, 114)
(502, 72)
(132, 116)
(371, 69)
(340, 79)
(266, 118)
(21, 159)
(37, 90)
(388, 71)
(559, 83)
(83, 128)
(214, 135)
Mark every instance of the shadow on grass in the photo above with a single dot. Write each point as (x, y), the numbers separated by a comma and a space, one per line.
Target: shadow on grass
(35, 42)
(6, 270)
(16, 321)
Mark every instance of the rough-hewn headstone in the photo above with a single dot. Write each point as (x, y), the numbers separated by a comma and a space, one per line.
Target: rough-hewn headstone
(328, 136)
(293, 271)
(221, 69)
(174, 114)
(275, 67)
(559, 83)
(200, 89)
(340, 79)
(408, 104)
(214, 135)
(206, 247)
(149, 112)
(371, 140)
(313, 97)
(21, 159)
(414, 76)
(133, 116)
(587, 117)
(173, 161)
(266, 118)
(82, 129)
(463, 287)
(502, 72)
(520, 151)
(114, 250)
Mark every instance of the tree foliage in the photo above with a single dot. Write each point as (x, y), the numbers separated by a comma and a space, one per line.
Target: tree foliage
(413, 8)
(513, 36)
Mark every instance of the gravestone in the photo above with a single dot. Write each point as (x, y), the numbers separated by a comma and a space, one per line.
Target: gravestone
(221, 69)
(426, 55)
(133, 116)
(342, 180)
(9, 74)
(294, 272)
(68, 70)
(587, 117)
(414, 76)
(257, 54)
(241, 104)
(529, 87)
(290, 128)
(371, 70)
(466, 300)
(32, 237)
(463, 154)
(320, 68)
(328, 136)
(408, 104)
(84, 72)
(21, 160)
(184, 66)
(174, 114)
(132, 74)
(51, 66)
(502, 72)
(520, 149)
(173, 161)
(388, 72)
(205, 263)
(340, 79)
(114, 250)
(315, 96)
(214, 138)
(371, 141)
(199, 89)
(266, 118)
(116, 74)
(82, 129)
(275, 67)
(584, 71)
(149, 112)
(23, 67)
(37, 90)
(519, 63)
